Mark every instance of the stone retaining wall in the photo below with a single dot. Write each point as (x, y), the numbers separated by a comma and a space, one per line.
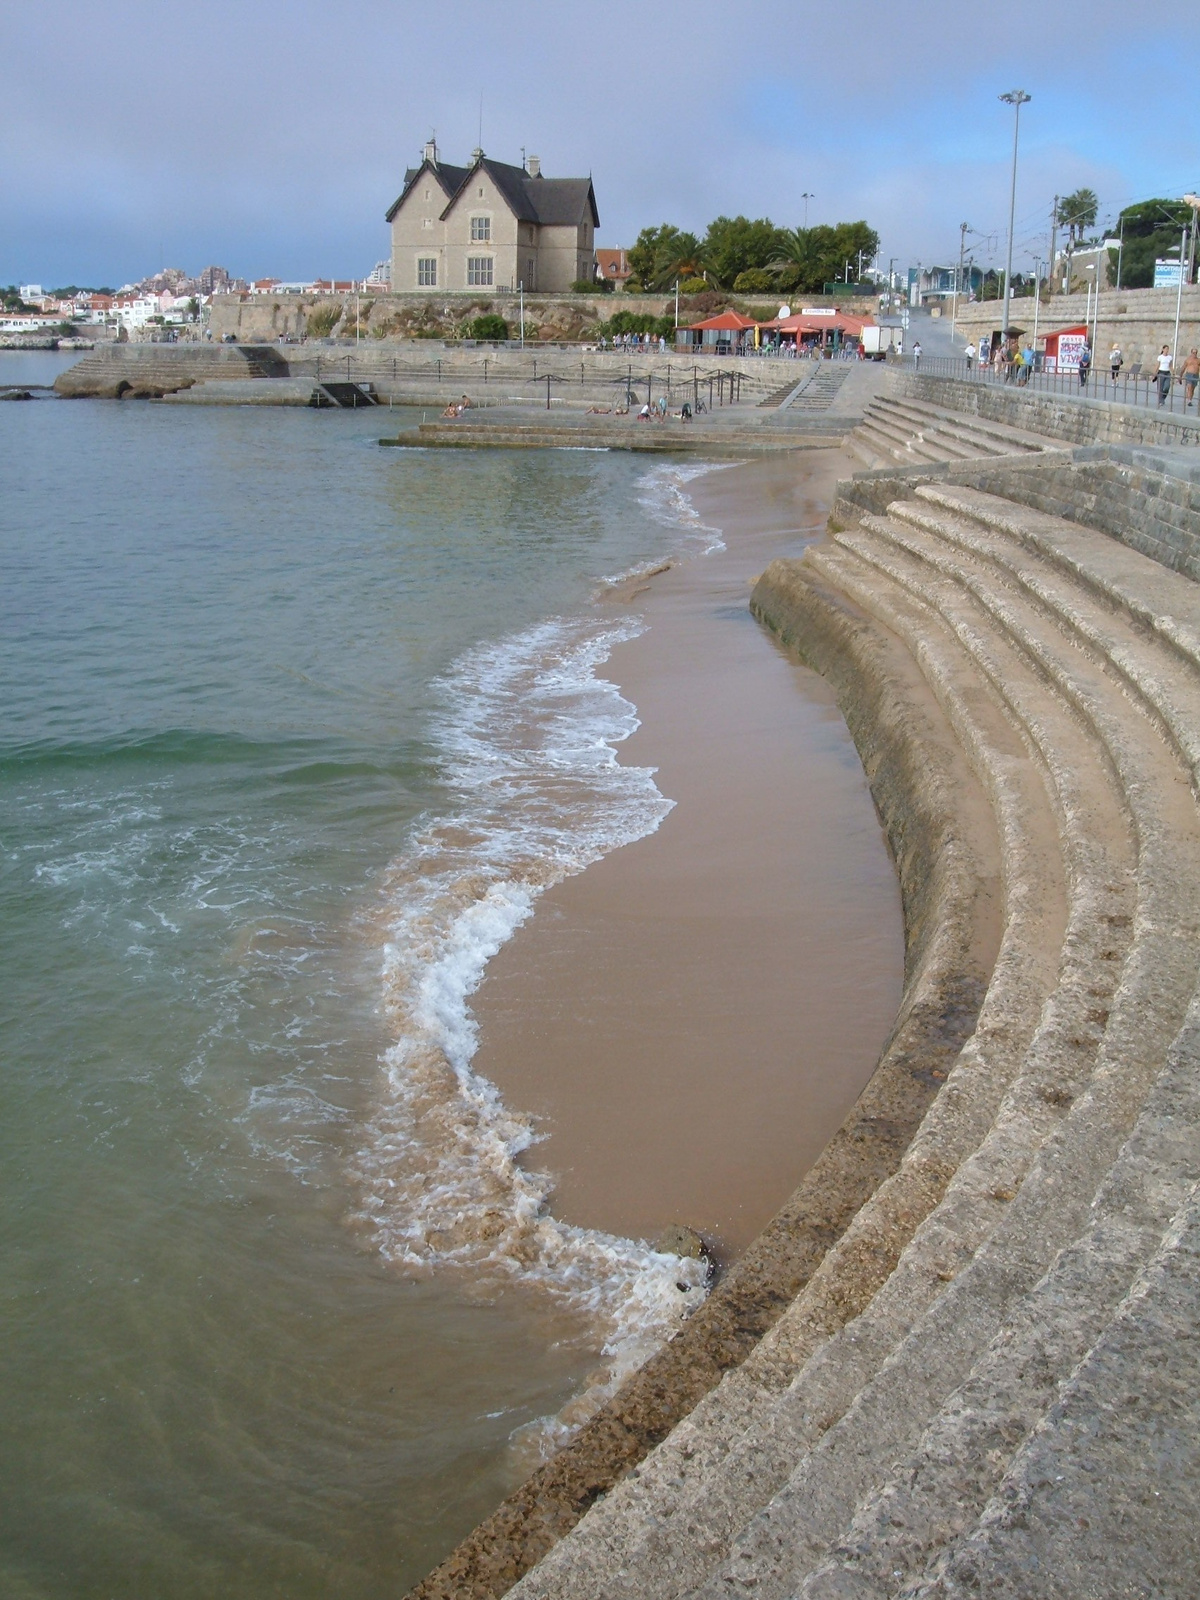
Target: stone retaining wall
(1141, 321)
(1055, 416)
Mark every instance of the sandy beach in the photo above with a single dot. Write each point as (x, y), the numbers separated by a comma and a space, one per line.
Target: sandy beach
(691, 1018)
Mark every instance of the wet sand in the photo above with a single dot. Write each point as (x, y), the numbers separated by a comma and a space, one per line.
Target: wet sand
(691, 1018)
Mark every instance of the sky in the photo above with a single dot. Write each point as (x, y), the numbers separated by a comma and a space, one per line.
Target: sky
(271, 136)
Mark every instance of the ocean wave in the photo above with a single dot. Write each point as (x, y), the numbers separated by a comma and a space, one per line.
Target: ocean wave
(528, 737)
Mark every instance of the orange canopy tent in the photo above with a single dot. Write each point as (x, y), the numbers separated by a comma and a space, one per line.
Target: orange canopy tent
(722, 332)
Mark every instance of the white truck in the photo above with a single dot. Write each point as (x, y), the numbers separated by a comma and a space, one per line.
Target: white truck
(879, 339)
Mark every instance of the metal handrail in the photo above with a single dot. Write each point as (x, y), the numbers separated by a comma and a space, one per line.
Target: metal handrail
(1129, 388)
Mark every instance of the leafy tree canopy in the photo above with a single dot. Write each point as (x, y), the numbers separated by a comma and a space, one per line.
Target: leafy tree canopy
(755, 251)
(734, 245)
(662, 254)
(1150, 229)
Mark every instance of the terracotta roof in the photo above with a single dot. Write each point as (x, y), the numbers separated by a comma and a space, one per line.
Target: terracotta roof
(727, 322)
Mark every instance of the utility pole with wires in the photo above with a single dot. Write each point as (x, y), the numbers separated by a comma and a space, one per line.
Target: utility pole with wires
(1054, 248)
(963, 229)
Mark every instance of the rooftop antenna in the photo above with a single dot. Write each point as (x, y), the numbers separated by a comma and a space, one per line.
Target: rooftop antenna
(481, 119)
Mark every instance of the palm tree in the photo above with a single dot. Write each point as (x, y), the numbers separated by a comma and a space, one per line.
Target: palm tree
(1077, 213)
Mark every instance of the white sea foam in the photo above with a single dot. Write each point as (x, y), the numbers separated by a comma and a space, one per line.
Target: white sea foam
(528, 740)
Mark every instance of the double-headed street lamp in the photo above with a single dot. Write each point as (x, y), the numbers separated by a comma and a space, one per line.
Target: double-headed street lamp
(1015, 98)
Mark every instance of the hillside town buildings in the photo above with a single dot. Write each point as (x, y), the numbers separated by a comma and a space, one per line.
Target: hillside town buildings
(490, 225)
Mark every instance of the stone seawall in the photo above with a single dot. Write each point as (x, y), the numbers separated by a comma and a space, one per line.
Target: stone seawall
(1063, 417)
(144, 371)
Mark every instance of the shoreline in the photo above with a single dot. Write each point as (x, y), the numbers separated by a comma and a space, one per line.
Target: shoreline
(940, 832)
(687, 1039)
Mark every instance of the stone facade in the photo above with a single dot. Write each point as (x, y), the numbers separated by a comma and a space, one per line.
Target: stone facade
(464, 230)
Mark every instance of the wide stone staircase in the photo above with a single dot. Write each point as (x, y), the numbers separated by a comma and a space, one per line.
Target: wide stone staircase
(990, 1383)
(895, 429)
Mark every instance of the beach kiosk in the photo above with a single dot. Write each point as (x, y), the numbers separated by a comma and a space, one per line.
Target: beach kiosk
(1063, 349)
(727, 334)
(820, 330)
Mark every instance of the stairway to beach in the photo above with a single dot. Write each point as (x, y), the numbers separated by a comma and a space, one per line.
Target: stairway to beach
(988, 1381)
(895, 429)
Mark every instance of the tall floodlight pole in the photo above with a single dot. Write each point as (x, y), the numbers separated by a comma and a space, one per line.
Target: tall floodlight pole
(1015, 98)
(806, 197)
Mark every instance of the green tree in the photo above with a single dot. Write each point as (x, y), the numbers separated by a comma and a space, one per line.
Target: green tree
(734, 245)
(1150, 229)
(810, 258)
(662, 254)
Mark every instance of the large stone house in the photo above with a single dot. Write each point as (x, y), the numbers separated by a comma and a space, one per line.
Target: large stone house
(491, 226)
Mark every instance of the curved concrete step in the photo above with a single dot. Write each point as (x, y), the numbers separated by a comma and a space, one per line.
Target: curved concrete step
(668, 1561)
(928, 1493)
(1117, 1452)
(793, 1542)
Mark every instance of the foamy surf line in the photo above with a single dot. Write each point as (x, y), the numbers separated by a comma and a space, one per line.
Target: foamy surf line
(528, 741)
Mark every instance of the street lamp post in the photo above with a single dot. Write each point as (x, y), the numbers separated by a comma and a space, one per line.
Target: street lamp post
(806, 197)
(1015, 98)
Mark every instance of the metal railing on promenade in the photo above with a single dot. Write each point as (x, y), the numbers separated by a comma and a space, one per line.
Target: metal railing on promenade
(719, 387)
(1132, 387)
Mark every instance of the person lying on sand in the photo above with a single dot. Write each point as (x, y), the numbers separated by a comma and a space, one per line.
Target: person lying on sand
(599, 411)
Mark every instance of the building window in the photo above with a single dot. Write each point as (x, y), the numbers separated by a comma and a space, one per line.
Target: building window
(479, 271)
(426, 272)
(481, 230)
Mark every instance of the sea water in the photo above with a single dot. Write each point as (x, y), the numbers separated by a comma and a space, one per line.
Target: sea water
(293, 732)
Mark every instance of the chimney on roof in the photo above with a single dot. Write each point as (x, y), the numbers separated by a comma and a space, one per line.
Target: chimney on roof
(535, 166)
(431, 152)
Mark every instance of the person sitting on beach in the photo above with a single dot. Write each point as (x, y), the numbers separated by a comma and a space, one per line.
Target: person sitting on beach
(451, 410)
(465, 403)
(686, 414)
(644, 413)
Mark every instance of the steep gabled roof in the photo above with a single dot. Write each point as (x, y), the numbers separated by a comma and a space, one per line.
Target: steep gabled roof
(553, 202)
(449, 179)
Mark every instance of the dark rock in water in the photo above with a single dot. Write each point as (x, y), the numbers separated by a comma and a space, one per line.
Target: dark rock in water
(680, 1241)
(15, 394)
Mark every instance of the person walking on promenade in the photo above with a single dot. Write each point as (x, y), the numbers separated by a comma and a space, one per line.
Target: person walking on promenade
(1115, 361)
(1191, 376)
(970, 356)
(1085, 365)
(1163, 374)
(917, 354)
